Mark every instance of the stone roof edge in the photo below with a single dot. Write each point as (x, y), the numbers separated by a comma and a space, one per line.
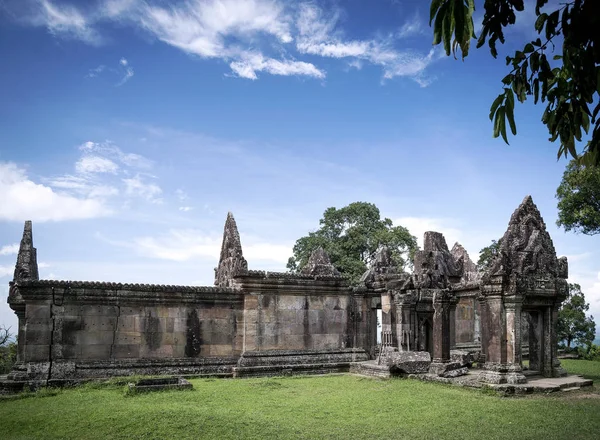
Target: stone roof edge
(288, 275)
(125, 286)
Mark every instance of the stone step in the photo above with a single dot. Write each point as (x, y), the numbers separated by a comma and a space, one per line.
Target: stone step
(570, 389)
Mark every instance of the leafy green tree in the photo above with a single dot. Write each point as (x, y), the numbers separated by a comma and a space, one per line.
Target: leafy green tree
(569, 83)
(487, 254)
(579, 199)
(573, 325)
(351, 236)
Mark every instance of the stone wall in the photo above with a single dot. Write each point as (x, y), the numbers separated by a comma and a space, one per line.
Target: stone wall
(87, 322)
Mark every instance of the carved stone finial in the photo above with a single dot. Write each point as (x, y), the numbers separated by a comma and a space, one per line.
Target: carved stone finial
(231, 261)
(383, 269)
(435, 268)
(434, 241)
(526, 246)
(26, 268)
(319, 264)
(467, 267)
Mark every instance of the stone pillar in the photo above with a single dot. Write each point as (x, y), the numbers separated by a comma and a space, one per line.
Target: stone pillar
(502, 324)
(483, 333)
(551, 364)
(441, 332)
(512, 308)
(21, 335)
(405, 322)
(453, 303)
(495, 340)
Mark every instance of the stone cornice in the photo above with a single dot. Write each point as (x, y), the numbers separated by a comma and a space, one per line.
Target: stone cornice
(90, 292)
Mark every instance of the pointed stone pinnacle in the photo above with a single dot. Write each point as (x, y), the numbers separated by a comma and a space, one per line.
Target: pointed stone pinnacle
(26, 268)
(231, 260)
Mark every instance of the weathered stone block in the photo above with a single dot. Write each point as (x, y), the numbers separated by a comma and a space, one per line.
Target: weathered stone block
(36, 353)
(409, 362)
(95, 351)
(462, 357)
(125, 338)
(126, 351)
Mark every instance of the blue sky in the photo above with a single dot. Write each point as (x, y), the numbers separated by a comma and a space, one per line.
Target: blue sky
(128, 130)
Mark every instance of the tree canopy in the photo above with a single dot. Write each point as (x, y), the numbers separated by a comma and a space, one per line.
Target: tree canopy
(487, 254)
(351, 236)
(573, 324)
(568, 82)
(579, 199)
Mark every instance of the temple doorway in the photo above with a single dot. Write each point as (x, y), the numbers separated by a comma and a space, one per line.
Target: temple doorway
(535, 336)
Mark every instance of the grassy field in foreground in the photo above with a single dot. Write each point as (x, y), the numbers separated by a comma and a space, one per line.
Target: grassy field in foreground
(339, 406)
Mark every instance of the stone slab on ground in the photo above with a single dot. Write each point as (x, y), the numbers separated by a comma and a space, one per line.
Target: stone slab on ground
(371, 369)
(409, 362)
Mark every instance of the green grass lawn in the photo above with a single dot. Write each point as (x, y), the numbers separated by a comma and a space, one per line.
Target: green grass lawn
(588, 369)
(337, 406)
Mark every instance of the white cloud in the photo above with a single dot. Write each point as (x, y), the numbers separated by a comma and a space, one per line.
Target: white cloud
(93, 73)
(244, 33)
(95, 164)
(84, 186)
(202, 27)
(116, 8)
(123, 69)
(318, 36)
(185, 208)
(128, 74)
(22, 199)
(252, 63)
(413, 26)
(417, 226)
(137, 188)
(6, 271)
(109, 150)
(9, 249)
(186, 244)
(65, 20)
(181, 194)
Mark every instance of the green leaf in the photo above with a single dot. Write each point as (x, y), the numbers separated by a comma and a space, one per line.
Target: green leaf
(459, 18)
(510, 106)
(433, 10)
(528, 48)
(539, 23)
(585, 121)
(502, 111)
(447, 31)
(437, 27)
(495, 105)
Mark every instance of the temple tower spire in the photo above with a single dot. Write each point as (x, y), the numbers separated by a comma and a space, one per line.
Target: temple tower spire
(26, 268)
(231, 261)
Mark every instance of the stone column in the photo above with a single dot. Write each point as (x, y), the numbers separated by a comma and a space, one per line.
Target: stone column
(405, 322)
(441, 332)
(551, 364)
(453, 303)
(512, 308)
(493, 343)
(483, 333)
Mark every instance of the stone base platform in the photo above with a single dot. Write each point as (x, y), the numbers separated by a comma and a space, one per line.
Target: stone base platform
(293, 362)
(534, 384)
(371, 369)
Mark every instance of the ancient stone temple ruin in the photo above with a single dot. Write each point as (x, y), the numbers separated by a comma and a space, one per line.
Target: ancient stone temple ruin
(438, 320)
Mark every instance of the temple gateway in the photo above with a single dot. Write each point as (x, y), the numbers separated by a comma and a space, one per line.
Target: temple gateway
(438, 321)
